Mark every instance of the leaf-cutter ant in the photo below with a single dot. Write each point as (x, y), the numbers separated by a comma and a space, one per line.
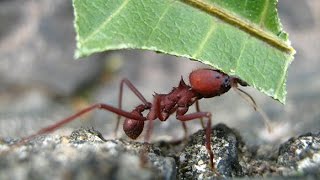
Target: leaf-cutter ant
(204, 83)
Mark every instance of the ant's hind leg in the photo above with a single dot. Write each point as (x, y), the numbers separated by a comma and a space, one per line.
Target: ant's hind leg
(135, 91)
(71, 118)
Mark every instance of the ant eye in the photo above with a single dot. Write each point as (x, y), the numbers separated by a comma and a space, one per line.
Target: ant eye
(226, 82)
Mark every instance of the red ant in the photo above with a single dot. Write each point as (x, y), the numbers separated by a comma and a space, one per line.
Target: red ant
(205, 83)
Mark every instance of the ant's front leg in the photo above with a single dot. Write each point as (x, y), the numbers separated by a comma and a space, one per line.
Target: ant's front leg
(184, 126)
(198, 110)
(136, 92)
(197, 115)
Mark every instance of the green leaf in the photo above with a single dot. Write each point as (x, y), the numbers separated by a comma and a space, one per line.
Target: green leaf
(240, 37)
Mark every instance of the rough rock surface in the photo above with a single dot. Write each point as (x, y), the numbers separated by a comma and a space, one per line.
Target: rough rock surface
(85, 154)
(193, 161)
(301, 155)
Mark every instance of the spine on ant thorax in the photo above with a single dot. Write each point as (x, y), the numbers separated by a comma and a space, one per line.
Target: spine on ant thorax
(178, 100)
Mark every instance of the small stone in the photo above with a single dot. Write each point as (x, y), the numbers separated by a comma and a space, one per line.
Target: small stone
(301, 154)
(225, 144)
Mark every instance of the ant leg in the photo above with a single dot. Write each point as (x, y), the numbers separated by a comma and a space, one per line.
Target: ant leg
(144, 152)
(135, 91)
(197, 115)
(153, 114)
(198, 110)
(184, 125)
(62, 122)
(185, 129)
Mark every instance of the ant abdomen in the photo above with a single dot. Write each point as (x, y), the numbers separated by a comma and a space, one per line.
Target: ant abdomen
(209, 83)
(133, 128)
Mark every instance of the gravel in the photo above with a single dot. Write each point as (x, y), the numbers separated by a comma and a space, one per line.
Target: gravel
(85, 154)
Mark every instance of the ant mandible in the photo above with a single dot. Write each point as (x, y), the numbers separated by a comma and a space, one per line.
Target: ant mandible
(204, 83)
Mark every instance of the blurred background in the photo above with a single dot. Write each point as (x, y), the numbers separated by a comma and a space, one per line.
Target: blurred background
(40, 82)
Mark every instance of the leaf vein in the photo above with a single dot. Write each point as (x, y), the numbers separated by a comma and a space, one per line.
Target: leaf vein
(240, 54)
(157, 24)
(264, 12)
(106, 21)
(282, 79)
(204, 40)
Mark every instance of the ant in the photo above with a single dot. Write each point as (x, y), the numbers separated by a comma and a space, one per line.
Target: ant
(204, 83)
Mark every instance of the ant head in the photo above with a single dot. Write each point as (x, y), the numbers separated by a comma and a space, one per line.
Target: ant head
(209, 83)
(133, 128)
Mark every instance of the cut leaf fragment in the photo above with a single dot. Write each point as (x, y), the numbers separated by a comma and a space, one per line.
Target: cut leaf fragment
(242, 38)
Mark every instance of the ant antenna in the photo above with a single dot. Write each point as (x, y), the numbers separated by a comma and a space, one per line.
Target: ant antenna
(249, 99)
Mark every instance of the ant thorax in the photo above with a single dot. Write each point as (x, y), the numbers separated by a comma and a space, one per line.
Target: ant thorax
(179, 99)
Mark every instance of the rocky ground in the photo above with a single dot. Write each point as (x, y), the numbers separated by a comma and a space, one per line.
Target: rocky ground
(85, 154)
(40, 83)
